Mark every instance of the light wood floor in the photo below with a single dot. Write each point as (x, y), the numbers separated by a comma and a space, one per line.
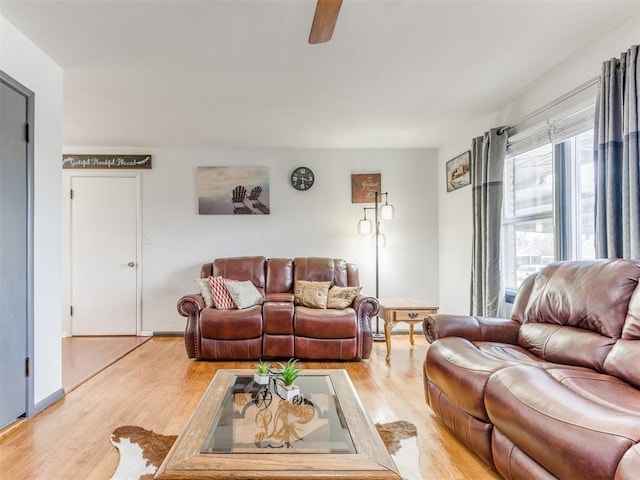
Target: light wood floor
(156, 387)
(83, 357)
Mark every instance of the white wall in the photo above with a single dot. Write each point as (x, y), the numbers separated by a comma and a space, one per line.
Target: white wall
(319, 222)
(454, 208)
(27, 64)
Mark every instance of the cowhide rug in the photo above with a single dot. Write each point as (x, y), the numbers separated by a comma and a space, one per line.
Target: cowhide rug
(142, 451)
(401, 440)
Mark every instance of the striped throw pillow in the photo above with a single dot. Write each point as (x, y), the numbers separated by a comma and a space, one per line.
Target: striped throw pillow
(221, 298)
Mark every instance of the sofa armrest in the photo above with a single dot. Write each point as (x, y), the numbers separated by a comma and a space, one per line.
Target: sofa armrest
(190, 304)
(472, 328)
(366, 306)
(279, 297)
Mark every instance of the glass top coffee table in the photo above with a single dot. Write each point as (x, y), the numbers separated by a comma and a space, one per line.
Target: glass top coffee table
(244, 430)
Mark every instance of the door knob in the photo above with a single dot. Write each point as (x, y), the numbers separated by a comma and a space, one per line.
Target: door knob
(131, 264)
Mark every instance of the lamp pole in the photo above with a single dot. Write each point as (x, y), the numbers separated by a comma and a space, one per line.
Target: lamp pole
(377, 335)
(364, 226)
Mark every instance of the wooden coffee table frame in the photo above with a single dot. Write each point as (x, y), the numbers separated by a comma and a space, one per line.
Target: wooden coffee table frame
(372, 461)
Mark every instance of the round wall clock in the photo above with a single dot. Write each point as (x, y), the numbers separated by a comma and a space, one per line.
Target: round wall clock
(302, 178)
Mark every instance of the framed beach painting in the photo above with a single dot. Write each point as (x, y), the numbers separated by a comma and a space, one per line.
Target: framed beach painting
(458, 174)
(233, 191)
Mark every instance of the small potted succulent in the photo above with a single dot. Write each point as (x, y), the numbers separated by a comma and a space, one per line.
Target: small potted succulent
(261, 374)
(287, 389)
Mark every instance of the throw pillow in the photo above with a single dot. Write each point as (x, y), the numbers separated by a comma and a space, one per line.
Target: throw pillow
(244, 294)
(205, 291)
(221, 298)
(342, 297)
(311, 294)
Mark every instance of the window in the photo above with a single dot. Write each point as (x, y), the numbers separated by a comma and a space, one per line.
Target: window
(548, 209)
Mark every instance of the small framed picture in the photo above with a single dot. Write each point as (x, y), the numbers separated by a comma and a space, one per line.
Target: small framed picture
(364, 187)
(458, 174)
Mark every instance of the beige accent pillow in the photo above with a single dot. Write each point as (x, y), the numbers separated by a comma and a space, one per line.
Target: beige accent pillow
(205, 291)
(311, 294)
(244, 294)
(342, 297)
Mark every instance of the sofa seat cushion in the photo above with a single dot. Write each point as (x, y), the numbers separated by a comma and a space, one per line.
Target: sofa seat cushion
(461, 369)
(603, 389)
(231, 324)
(325, 323)
(568, 434)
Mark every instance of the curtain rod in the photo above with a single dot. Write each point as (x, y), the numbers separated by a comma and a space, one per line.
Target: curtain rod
(553, 103)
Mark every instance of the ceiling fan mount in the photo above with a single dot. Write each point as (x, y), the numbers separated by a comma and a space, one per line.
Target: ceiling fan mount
(324, 21)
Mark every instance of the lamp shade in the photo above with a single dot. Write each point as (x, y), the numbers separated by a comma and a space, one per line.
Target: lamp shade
(365, 226)
(382, 240)
(386, 211)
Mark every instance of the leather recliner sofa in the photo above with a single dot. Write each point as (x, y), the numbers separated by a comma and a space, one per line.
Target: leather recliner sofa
(554, 391)
(279, 328)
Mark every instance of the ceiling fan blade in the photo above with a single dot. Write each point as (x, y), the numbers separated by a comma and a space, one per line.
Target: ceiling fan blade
(324, 20)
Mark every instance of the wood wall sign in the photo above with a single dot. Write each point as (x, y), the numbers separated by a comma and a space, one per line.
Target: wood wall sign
(111, 162)
(364, 186)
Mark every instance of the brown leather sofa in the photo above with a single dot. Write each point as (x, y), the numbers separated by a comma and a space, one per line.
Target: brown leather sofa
(553, 392)
(279, 328)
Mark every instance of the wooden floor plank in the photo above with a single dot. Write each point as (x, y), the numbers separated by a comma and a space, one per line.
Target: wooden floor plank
(83, 357)
(157, 387)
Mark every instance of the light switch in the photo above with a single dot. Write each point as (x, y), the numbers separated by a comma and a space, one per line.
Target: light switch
(147, 239)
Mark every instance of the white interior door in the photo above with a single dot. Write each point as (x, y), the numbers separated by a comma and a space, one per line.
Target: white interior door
(104, 246)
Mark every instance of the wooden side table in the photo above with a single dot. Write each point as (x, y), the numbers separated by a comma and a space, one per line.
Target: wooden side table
(407, 310)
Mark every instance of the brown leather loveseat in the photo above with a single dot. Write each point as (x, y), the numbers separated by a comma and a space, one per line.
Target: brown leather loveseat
(278, 326)
(553, 392)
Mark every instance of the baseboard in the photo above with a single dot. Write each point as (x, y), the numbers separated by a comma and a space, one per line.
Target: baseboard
(48, 401)
(168, 334)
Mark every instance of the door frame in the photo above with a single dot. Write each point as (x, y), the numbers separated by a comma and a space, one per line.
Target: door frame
(68, 247)
(30, 407)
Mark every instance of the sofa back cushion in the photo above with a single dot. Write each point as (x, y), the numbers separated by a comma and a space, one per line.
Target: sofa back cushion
(242, 268)
(623, 361)
(279, 275)
(593, 295)
(631, 329)
(576, 310)
(320, 269)
(566, 345)
(624, 358)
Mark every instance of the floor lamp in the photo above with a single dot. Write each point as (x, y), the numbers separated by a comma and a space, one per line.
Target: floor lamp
(380, 212)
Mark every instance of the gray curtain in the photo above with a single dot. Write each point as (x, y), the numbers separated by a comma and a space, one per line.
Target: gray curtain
(617, 160)
(487, 174)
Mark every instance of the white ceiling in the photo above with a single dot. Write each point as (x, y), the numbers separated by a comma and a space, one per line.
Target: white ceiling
(397, 73)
